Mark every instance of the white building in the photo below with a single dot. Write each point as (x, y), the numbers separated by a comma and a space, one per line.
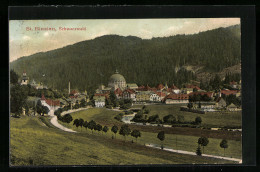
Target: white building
(155, 98)
(100, 101)
(25, 79)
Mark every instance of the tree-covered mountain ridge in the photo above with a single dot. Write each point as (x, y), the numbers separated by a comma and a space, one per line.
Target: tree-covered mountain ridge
(143, 61)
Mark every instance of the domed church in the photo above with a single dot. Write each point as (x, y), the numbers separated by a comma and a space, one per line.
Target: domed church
(117, 81)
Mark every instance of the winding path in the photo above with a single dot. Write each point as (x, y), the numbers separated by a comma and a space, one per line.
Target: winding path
(192, 153)
(54, 119)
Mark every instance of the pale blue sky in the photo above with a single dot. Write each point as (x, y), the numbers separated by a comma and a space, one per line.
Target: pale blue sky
(24, 43)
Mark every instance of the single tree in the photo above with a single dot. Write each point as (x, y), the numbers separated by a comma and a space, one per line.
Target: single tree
(85, 124)
(136, 134)
(114, 129)
(76, 122)
(81, 121)
(99, 127)
(198, 120)
(169, 119)
(91, 125)
(190, 105)
(224, 144)
(124, 130)
(45, 110)
(13, 77)
(105, 129)
(67, 118)
(203, 141)
(161, 136)
(198, 151)
(18, 97)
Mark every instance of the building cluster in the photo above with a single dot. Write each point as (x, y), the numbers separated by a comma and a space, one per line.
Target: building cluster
(25, 81)
(159, 94)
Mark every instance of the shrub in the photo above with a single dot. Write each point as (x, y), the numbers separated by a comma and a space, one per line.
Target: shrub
(198, 120)
(169, 119)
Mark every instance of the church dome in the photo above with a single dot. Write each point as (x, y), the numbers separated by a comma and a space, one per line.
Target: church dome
(116, 78)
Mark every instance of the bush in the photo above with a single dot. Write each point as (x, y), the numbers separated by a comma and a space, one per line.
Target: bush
(169, 119)
(153, 118)
(198, 120)
(180, 118)
(118, 117)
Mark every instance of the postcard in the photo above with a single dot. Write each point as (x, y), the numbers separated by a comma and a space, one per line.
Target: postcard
(125, 91)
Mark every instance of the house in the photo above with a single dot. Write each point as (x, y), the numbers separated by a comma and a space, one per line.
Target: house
(25, 79)
(228, 92)
(176, 98)
(160, 87)
(100, 101)
(129, 94)
(118, 92)
(233, 84)
(132, 86)
(161, 95)
(232, 107)
(52, 105)
(186, 90)
(175, 89)
(155, 97)
(143, 96)
(220, 103)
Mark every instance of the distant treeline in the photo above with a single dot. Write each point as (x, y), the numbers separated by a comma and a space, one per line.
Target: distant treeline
(87, 64)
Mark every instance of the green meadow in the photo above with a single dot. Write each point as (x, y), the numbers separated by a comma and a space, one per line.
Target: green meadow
(33, 141)
(184, 142)
(210, 119)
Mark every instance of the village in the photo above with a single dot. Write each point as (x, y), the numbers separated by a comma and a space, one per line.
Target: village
(190, 96)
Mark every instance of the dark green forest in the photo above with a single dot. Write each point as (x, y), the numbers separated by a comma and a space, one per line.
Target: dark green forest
(87, 64)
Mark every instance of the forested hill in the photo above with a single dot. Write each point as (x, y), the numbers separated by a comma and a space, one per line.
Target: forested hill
(87, 64)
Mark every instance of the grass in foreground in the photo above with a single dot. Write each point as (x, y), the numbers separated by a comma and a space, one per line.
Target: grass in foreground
(33, 143)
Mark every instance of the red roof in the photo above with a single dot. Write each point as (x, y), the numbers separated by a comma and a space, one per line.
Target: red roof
(129, 91)
(177, 97)
(100, 94)
(161, 94)
(193, 86)
(53, 102)
(169, 90)
(118, 91)
(228, 92)
(209, 94)
(43, 98)
(159, 87)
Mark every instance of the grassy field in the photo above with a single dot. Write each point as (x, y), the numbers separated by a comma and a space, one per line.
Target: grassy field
(106, 117)
(210, 119)
(32, 142)
(184, 142)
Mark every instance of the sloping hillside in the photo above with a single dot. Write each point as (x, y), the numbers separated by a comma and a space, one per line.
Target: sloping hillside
(89, 63)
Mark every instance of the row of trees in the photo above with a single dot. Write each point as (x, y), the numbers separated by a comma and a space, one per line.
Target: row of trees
(168, 119)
